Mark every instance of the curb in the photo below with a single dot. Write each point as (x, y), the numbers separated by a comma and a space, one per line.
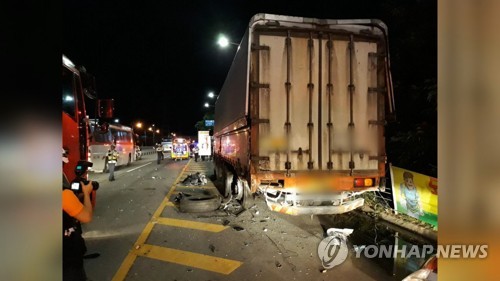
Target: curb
(427, 233)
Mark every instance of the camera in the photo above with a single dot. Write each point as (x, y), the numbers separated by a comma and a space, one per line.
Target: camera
(80, 170)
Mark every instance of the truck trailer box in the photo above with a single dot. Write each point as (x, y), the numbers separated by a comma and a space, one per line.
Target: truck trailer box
(301, 115)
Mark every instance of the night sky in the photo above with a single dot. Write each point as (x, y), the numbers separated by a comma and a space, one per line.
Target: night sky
(159, 59)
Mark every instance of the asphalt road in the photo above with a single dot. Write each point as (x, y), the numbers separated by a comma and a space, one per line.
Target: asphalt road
(141, 235)
(123, 207)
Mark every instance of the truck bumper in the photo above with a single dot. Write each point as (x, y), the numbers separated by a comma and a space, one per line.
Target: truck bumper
(316, 210)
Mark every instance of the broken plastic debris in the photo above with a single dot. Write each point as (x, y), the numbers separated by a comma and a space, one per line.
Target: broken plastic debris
(265, 229)
(238, 228)
(323, 270)
(339, 231)
(278, 264)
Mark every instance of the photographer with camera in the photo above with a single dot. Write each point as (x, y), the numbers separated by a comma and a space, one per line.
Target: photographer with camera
(76, 210)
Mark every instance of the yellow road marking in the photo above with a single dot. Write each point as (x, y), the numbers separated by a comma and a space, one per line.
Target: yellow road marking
(210, 263)
(191, 224)
(129, 260)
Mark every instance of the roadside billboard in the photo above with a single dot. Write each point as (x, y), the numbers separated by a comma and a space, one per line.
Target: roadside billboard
(204, 143)
(415, 194)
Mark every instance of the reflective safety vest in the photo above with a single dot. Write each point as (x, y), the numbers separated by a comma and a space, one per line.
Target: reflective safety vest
(112, 156)
(159, 148)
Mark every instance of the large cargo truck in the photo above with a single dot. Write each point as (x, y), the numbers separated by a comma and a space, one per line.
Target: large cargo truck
(301, 115)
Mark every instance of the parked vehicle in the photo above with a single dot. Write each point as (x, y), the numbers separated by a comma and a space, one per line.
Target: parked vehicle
(138, 152)
(428, 271)
(300, 117)
(123, 139)
(180, 149)
(167, 145)
(78, 88)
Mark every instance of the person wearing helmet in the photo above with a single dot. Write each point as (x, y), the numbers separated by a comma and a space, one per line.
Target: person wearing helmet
(159, 152)
(112, 159)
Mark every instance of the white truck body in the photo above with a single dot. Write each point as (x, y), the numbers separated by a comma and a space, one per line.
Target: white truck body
(301, 114)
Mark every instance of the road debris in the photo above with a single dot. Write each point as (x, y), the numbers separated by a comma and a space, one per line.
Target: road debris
(212, 248)
(339, 232)
(278, 264)
(238, 228)
(195, 179)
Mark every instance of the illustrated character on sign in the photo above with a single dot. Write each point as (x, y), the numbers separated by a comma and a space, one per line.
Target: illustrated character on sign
(410, 195)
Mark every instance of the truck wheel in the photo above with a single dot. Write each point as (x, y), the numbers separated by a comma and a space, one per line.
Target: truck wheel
(228, 183)
(247, 199)
(198, 204)
(218, 172)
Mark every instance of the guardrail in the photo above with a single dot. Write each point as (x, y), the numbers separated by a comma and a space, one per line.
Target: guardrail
(148, 151)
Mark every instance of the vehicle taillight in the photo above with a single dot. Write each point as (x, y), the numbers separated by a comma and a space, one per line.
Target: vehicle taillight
(364, 182)
(431, 264)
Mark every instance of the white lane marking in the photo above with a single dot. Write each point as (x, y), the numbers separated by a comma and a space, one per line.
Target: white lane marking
(138, 167)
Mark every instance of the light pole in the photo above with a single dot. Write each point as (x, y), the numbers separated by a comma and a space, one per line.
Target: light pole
(153, 130)
(139, 126)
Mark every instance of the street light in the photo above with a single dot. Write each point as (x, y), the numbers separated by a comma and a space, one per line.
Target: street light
(211, 95)
(224, 42)
(117, 120)
(139, 126)
(207, 105)
(152, 130)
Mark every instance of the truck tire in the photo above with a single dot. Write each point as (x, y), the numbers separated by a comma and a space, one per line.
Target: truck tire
(199, 204)
(219, 170)
(247, 200)
(228, 183)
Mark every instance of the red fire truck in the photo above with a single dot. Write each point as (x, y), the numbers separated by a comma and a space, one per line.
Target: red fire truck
(77, 88)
